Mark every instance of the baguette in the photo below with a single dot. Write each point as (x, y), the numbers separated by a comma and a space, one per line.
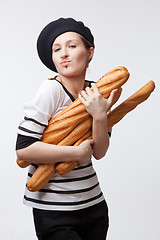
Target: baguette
(41, 177)
(113, 117)
(43, 173)
(75, 113)
(113, 79)
(22, 163)
(63, 123)
(131, 103)
(82, 128)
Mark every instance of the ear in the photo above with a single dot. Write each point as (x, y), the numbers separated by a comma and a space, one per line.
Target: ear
(90, 53)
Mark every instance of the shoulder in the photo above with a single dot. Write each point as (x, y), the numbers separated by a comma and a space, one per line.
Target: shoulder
(49, 90)
(48, 86)
(47, 98)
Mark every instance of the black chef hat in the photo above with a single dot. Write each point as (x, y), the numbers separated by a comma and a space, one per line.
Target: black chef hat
(52, 31)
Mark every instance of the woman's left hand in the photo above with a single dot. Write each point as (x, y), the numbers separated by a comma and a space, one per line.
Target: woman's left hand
(94, 102)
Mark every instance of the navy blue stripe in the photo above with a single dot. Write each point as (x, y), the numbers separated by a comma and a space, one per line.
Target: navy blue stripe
(109, 133)
(35, 121)
(28, 131)
(34, 165)
(82, 167)
(69, 191)
(68, 180)
(25, 141)
(63, 203)
(72, 179)
(77, 168)
(65, 89)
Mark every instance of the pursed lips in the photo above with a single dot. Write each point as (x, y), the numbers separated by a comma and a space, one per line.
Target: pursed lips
(65, 62)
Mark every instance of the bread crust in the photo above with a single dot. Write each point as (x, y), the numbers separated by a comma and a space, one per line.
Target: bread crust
(63, 123)
(69, 126)
(82, 129)
(130, 103)
(113, 117)
(84, 121)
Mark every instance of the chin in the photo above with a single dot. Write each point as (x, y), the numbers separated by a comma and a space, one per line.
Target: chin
(71, 73)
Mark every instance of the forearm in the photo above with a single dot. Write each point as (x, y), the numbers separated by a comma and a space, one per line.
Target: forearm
(100, 136)
(40, 152)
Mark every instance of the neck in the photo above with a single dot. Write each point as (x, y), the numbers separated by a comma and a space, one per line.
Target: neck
(73, 84)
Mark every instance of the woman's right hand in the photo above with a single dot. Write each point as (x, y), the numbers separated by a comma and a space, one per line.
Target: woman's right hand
(86, 151)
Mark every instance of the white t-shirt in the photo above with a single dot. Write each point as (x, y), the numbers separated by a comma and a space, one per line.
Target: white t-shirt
(79, 188)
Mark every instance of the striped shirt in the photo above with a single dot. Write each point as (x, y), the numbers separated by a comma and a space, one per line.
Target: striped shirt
(79, 188)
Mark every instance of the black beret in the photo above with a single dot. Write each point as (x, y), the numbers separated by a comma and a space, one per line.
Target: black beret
(52, 31)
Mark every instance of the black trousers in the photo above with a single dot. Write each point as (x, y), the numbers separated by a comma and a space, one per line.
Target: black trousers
(86, 224)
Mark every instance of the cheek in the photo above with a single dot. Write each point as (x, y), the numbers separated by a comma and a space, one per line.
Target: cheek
(53, 58)
(81, 58)
(55, 61)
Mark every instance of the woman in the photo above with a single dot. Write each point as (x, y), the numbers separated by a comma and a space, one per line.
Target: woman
(70, 206)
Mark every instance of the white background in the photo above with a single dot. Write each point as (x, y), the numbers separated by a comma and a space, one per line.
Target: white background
(126, 33)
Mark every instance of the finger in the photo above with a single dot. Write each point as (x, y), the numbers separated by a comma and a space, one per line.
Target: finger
(84, 94)
(112, 94)
(91, 141)
(81, 99)
(114, 91)
(109, 100)
(95, 88)
(88, 90)
(88, 141)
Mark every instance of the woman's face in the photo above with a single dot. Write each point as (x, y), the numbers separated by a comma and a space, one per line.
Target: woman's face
(70, 55)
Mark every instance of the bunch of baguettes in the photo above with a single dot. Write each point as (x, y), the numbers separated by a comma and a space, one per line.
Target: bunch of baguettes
(73, 125)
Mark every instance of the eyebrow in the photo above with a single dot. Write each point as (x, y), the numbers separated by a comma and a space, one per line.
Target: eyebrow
(54, 44)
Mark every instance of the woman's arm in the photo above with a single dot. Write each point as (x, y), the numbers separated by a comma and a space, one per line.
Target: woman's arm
(40, 152)
(97, 107)
(37, 113)
(100, 136)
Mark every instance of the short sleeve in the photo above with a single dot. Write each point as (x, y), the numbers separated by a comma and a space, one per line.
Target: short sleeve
(40, 110)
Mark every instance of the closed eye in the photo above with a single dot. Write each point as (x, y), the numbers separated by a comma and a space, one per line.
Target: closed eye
(56, 50)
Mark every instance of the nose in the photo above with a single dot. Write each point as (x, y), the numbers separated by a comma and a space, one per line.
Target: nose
(64, 52)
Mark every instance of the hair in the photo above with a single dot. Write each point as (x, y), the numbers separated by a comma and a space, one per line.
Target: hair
(87, 44)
